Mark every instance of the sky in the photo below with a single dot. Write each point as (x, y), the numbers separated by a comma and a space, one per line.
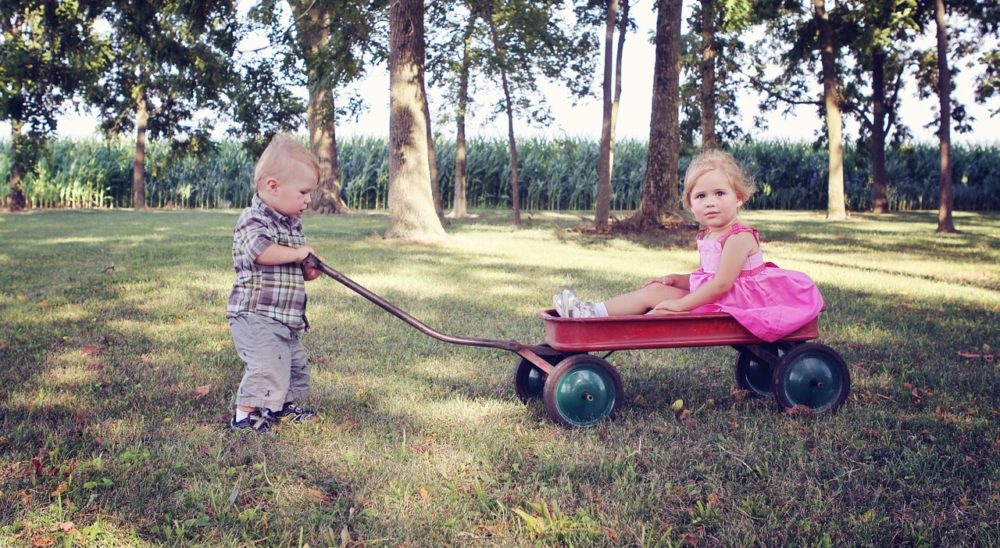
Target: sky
(583, 119)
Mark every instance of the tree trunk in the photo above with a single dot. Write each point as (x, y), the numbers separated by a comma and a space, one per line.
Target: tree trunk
(515, 183)
(411, 204)
(658, 206)
(880, 203)
(313, 32)
(835, 206)
(323, 141)
(17, 201)
(603, 203)
(139, 161)
(622, 29)
(708, 139)
(945, 223)
(431, 154)
(460, 207)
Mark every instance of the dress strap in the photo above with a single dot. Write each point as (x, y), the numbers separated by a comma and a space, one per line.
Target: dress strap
(736, 229)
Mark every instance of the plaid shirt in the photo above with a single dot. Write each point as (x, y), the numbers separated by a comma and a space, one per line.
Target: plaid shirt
(275, 291)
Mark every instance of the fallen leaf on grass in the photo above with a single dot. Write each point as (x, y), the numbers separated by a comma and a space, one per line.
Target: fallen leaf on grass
(60, 489)
(713, 500)
(318, 496)
(969, 355)
(43, 541)
(738, 394)
(424, 493)
(202, 391)
(798, 410)
(869, 432)
(683, 416)
(90, 349)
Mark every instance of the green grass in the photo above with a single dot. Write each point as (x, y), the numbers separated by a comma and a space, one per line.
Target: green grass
(115, 383)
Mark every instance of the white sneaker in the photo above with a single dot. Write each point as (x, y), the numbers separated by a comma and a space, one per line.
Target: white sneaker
(563, 302)
(583, 309)
(569, 306)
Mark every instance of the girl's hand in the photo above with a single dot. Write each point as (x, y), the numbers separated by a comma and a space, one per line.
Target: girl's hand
(665, 280)
(669, 306)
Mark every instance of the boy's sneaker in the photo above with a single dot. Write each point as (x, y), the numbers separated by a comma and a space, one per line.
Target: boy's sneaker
(295, 411)
(255, 422)
(568, 306)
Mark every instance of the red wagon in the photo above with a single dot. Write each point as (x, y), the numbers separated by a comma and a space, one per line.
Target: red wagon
(581, 389)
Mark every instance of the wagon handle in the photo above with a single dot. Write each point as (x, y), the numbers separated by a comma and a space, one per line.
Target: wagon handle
(512, 346)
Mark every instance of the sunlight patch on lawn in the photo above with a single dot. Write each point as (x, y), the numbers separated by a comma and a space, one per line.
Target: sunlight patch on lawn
(72, 370)
(460, 411)
(42, 398)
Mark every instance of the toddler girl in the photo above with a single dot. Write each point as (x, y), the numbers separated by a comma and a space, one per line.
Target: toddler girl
(768, 301)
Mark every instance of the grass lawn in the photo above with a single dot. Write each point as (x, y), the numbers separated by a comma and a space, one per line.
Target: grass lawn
(118, 374)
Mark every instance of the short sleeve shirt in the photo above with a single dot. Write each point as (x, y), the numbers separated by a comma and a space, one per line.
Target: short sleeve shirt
(275, 291)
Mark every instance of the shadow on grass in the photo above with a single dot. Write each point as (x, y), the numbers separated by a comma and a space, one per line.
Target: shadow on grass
(403, 411)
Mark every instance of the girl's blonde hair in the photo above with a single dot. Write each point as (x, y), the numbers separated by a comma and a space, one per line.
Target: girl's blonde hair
(279, 159)
(711, 160)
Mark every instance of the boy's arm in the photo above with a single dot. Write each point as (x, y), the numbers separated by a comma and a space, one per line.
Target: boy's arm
(280, 254)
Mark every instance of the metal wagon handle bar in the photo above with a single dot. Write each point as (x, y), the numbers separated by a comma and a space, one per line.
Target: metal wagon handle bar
(512, 346)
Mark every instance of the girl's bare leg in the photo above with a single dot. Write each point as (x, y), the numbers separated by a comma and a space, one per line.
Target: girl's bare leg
(642, 300)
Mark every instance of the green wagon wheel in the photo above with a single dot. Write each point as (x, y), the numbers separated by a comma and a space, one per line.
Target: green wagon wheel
(754, 375)
(582, 391)
(812, 375)
(529, 380)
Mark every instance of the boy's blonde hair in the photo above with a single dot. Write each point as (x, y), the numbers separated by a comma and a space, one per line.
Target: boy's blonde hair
(279, 159)
(711, 160)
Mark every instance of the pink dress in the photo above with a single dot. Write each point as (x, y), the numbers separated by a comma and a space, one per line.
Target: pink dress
(770, 302)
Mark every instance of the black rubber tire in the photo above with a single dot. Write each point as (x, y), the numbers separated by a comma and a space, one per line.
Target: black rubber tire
(583, 391)
(756, 377)
(813, 376)
(529, 380)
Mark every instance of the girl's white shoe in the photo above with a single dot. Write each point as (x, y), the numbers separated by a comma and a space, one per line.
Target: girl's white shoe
(568, 306)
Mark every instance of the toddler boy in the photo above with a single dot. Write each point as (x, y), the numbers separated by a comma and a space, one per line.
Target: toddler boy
(267, 306)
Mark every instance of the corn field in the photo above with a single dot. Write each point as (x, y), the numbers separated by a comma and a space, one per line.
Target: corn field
(556, 174)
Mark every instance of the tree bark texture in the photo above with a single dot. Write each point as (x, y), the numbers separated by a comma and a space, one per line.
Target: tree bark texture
(460, 207)
(835, 206)
(515, 183)
(139, 160)
(323, 141)
(880, 203)
(432, 155)
(16, 198)
(411, 204)
(658, 206)
(708, 54)
(945, 222)
(313, 32)
(603, 200)
(622, 29)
